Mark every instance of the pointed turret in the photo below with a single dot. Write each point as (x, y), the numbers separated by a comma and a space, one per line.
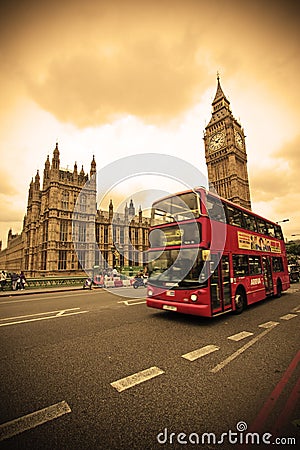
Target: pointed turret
(111, 209)
(37, 181)
(131, 208)
(219, 94)
(93, 167)
(47, 164)
(55, 159)
(46, 173)
(75, 173)
(30, 189)
(221, 106)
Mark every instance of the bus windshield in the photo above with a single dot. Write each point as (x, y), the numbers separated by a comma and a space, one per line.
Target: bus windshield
(176, 208)
(177, 268)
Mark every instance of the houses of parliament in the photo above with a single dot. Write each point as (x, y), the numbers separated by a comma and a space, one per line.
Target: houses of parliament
(63, 231)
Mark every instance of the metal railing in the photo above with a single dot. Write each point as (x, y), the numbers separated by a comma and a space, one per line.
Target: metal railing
(51, 282)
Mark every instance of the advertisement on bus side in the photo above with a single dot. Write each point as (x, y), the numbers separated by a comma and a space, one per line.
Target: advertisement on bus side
(247, 241)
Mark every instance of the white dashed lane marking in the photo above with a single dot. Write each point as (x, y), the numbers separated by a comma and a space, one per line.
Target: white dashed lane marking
(240, 336)
(288, 316)
(33, 420)
(296, 310)
(133, 301)
(136, 378)
(191, 356)
(268, 324)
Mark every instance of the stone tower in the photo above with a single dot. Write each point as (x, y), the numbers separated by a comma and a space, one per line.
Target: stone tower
(48, 241)
(225, 152)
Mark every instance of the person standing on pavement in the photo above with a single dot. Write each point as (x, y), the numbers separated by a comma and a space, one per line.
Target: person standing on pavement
(3, 277)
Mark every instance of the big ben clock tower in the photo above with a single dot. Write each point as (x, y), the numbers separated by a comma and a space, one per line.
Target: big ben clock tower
(225, 153)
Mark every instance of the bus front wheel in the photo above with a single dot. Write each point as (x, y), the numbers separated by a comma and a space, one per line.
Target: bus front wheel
(240, 301)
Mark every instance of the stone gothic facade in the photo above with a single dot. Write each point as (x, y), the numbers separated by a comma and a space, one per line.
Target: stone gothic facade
(65, 234)
(225, 152)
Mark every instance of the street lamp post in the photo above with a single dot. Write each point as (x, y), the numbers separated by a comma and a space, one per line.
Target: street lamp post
(115, 255)
(284, 220)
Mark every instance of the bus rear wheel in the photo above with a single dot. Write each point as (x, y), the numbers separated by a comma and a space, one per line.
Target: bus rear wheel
(240, 301)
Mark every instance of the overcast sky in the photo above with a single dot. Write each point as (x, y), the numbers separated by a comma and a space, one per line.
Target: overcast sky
(117, 78)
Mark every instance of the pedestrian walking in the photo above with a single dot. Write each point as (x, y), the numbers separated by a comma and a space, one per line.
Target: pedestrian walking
(14, 280)
(22, 280)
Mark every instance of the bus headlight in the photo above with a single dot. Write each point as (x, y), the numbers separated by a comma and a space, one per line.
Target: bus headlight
(194, 297)
(150, 293)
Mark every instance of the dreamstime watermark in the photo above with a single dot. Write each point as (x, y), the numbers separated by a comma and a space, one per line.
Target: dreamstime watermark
(240, 436)
(167, 170)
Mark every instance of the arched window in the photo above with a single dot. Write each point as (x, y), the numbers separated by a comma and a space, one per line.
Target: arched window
(82, 203)
(65, 200)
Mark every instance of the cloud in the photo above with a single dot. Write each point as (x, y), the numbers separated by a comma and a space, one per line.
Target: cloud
(275, 187)
(89, 62)
(264, 187)
(6, 187)
(12, 209)
(289, 153)
(89, 89)
(281, 176)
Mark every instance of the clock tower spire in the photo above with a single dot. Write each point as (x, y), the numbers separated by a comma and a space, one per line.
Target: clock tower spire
(225, 152)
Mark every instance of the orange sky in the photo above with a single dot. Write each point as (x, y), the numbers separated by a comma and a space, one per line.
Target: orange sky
(117, 78)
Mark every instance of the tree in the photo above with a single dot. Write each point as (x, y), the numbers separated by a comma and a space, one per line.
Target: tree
(293, 251)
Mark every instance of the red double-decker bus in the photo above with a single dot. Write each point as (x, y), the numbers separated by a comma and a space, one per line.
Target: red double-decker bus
(208, 255)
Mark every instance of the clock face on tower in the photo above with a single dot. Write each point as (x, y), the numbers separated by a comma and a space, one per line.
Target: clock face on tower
(217, 141)
(238, 139)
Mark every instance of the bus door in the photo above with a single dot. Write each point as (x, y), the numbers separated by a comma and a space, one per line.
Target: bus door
(220, 283)
(268, 280)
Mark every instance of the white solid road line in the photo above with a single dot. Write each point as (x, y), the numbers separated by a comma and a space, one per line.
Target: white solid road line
(136, 378)
(240, 336)
(33, 420)
(36, 319)
(234, 355)
(40, 314)
(288, 316)
(191, 356)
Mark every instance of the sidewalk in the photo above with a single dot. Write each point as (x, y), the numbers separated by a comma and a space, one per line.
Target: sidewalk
(46, 290)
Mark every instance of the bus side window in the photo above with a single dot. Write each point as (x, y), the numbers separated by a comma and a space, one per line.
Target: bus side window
(270, 229)
(255, 265)
(250, 222)
(277, 264)
(235, 216)
(215, 209)
(262, 227)
(278, 232)
(240, 265)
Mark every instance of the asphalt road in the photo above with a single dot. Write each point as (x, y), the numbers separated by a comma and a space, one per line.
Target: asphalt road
(100, 370)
